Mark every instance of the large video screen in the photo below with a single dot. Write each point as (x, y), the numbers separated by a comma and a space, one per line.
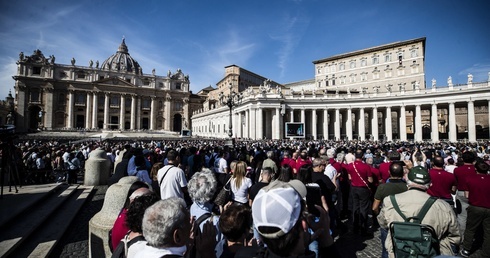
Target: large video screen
(295, 130)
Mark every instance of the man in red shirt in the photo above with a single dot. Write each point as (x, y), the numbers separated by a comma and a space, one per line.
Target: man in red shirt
(287, 160)
(302, 160)
(360, 176)
(443, 182)
(384, 168)
(478, 190)
(461, 173)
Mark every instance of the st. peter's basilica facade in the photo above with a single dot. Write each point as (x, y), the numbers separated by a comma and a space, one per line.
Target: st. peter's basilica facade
(114, 94)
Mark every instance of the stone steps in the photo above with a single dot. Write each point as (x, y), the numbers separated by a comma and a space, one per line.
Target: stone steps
(36, 229)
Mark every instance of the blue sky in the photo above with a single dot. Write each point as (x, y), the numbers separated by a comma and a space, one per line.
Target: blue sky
(277, 39)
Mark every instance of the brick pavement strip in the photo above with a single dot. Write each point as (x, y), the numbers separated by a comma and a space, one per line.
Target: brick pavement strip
(74, 243)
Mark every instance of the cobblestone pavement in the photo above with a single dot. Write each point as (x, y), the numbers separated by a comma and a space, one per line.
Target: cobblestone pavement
(74, 243)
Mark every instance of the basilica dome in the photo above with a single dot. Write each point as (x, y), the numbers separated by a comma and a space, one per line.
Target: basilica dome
(122, 61)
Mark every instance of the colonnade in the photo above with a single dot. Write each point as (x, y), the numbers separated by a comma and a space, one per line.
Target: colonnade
(93, 116)
(416, 121)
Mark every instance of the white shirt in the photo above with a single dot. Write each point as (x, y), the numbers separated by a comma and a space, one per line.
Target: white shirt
(173, 182)
(330, 171)
(136, 248)
(223, 165)
(450, 168)
(241, 194)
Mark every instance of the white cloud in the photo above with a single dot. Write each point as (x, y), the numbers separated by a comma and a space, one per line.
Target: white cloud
(8, 69)
(480, 72)
(290, 34)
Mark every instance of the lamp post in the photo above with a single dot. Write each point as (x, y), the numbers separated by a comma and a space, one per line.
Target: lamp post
(232, 99)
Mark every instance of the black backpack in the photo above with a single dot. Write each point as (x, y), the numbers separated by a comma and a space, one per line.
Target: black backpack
(411, 238)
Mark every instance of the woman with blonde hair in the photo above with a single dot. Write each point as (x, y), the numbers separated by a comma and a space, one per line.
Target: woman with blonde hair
(240, 184)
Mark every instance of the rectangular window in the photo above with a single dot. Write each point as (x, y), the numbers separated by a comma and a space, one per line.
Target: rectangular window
(178, 106)
(353, 64)
(145, 103)
(413, 53)
(387, 58)
(81, 75)
(178, 85)
(80, 98)
(36, 70)
(375, 60)
(363, 62)
(35, 96)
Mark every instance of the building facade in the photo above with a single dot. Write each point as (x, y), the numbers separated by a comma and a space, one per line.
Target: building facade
(377, 93)
(113, 95)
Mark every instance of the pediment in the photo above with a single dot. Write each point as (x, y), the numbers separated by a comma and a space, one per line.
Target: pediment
(114, 81)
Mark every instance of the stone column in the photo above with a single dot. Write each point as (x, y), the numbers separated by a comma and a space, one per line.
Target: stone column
(246, 133)
(325, 124)
(133, 112)
(374, 124)
(122, 114)
(239, 129)
(453, 133)
(418, 123)
(168, 111)
(253, 124)
(434, 123)
(48, 109)
(88, 113)
(403, 124)
(292, 116)
(388, 125)
(153, 115)
(303, 117)
(336, 124)
(348, 127)
(471, 122)
(277, 131)
(138, 113)
(95, 110)
(71, 99)
(362, 125)
(314, 124)
(106, 110)
(260, 129)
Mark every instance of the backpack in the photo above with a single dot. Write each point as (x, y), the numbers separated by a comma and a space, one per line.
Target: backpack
(192, 251)
(411, 238)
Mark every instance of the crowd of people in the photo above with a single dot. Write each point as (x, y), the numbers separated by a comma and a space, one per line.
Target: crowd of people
(287, 197)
